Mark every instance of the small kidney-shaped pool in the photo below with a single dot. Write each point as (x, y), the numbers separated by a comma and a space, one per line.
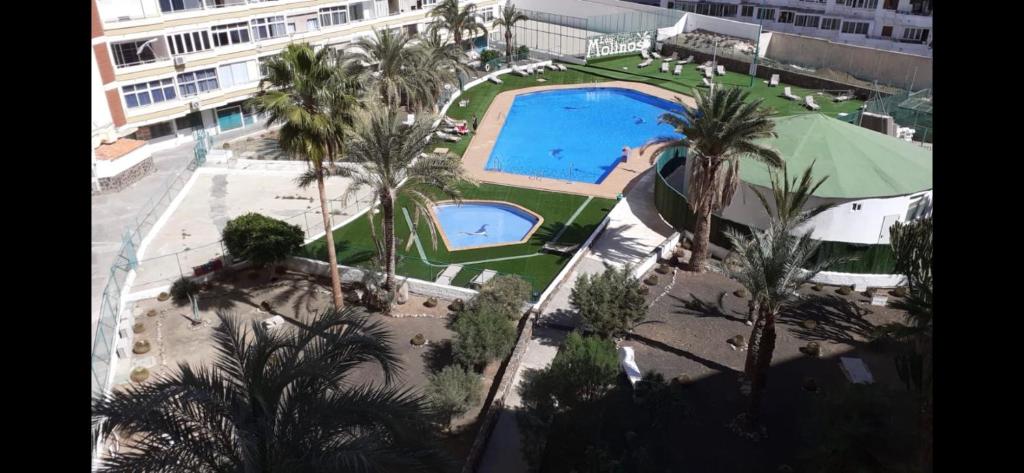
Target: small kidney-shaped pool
(483, 223)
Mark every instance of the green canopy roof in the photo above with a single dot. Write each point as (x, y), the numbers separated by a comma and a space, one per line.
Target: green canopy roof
(860, 162)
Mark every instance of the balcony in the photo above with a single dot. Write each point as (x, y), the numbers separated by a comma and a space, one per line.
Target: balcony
(138, 52)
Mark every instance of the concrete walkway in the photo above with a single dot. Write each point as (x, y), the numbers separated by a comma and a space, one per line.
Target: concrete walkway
(634, 230)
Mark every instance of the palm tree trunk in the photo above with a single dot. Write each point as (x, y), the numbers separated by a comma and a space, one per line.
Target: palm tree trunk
(508, 44)
(759, 358)
(701, 240)
(332, 256)
(387, 204)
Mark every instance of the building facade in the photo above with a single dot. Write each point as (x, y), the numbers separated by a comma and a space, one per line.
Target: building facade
(167, 68)
(895, 25)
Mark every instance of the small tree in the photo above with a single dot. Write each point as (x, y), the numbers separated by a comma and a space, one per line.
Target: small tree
(453, 391)
(260, 239)
(483, 333)
(506, 292)
(182, 289)
(583, 369)
(610, 302)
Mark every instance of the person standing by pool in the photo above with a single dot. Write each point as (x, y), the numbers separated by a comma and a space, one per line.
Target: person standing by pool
(625, 153)
(474, 123)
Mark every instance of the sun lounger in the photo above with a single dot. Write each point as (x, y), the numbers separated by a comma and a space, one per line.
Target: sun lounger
(655, 55)
(494, 79)
(774, 81)
(673, 57)
(628, 363)
(452, 122)
(708, 73)
(552, 66)
(842, 98)
(561, 248)
(522, 72)
(645, 63)
(446, 276)
(788, 93)
(809, 103)
(687, 60)
(678, 70)
(664, 67)
(562, 67)
(483, 277)
(447, 137)
(705, 82)
(720, 70)
(856, 371)
(644, 54)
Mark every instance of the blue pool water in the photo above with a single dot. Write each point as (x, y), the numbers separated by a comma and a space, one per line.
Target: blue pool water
(482, 223)
(576, 134)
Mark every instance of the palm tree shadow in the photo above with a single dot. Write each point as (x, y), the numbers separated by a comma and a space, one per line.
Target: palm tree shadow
(838, 320)
(698, 307)
(437, 356)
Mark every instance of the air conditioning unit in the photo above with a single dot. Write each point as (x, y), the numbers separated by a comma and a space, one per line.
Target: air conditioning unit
(194, 105)
(179, 61)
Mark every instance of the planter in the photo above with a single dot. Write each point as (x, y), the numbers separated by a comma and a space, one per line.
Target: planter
(662, 269)
(418, 340)
(151, 313)
(651, 280)
(163, 296)
(812, 349)
(809, 324)
(818, 287)
(741, 293)
(844, 291)
(138, 327)
(139, 374)
(140, 347)
(457, 305)
(430, 302)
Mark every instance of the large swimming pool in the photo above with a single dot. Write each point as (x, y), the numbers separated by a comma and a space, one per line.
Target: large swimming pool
(576, 134)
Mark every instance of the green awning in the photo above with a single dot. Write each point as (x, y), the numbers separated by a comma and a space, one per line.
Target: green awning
(860, 163)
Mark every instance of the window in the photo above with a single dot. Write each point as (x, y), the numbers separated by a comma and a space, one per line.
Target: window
(487, 14)
(786, 17)
(855, 27)
(268, 28)
(765, 13)
(133, 52)
(263, 64)
(192, 120)
(168, 6)
(917, 209)
(145, 93)
(197, 82)
(234, 74)
(312, 24)
(747, 11)
(915, 34)
(807, 21)
(355, 10)
(868, 4)
(333, 16)
(856, 206)
(187, 43)
(234, 33)
(429, 2)
(154, 131)
(830, 23)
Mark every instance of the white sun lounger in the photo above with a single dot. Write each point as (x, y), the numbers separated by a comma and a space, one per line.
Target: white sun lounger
(645, 63)
(706, 82)
(855, 370)
(774, 81)
(720, 70)
(708, 73)
(628, 363)
(644, 54)
(809, 103)
(679, 70)
(562, 67)
(447, 137)
(664, 66)
(553, 67)
(483, 277)
(788, 93)
(494, 79)
(655, 55)
(687, 60)
(842, 98)
(522, 72)
(449, 273)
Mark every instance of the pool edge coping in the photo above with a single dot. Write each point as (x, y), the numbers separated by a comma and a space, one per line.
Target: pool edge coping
(444, 237)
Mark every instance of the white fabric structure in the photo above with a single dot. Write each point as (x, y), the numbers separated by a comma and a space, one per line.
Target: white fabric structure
(774, 81)
(809, 102)
(856, 371)
(495, 79)
(629, 365)
(448, 274)
(483, 277)
(720, 69)
(678, 70)
(788, 93)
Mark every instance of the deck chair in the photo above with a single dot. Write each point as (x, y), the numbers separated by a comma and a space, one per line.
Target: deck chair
(705, 81)
(708, 73)
(448, 274)
(562, 67)
(552, 66)
(645, 63)
(679, 70)
(644, 54)
(664, 66)
(720, 70)
(809, 102)
(855, 370)
(561, 248)
(687, 60)
(483, 277)
(788, 93)
(519, 71)
(628, 362)
(842, 98)
(495, 79)
(447, 137)
(774, 81)
(655, 55)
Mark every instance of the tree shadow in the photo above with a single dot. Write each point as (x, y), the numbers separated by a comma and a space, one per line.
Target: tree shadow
(701, 308)
(437, 356)
(837, 320)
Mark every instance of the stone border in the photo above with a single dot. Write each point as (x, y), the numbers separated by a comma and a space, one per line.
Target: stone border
(444, 236)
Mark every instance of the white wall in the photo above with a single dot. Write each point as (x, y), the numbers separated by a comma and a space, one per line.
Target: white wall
(111, 10)
(114, 167)
(724, 26)
(101, 119)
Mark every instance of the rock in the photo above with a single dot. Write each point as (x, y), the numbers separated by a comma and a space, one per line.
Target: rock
(818, 287)
(151, 313)
(741, 293)
(457, 305)
(809, 324)
(430, 302)
(651, 280)
(139, 327)
(418, 340)
(139, 374)
(140, 347)
(844, 291)
(662, 269)
(163, 296)
(738, 342)
(402, 295)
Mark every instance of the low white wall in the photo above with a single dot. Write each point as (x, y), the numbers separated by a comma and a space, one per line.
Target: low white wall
(349, 274)
(854, 279)
(663, 251)
(724, 26)
(111, 168)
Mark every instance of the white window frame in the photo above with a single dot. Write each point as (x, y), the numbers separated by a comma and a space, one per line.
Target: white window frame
(856, 25)
(228, 80)
(745, 8)
(229, 29)
(200, 38)
(115, 48)
(267, 23)
(913, 34)
(766, 14)
(164, 84)
(836, 22)
(183, 8)
(862, 4)
(786, 17)
(328, 15)
(196, 82)
(810, 21)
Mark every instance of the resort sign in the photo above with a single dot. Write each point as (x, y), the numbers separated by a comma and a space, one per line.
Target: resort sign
(619, 43)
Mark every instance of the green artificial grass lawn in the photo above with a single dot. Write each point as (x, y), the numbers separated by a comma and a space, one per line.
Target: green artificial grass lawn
(355, 247)
(604, 70)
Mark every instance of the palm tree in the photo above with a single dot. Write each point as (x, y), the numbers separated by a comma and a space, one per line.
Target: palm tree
(457, 21)
(388, 154)
(722, 129)
(508, 18)
(447, 59)
(789, 199)
(311, 98)
(390, 64)
(274, 400)
(772, 264)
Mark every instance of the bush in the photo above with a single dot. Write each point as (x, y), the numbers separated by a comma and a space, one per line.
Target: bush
(260, 239)
(583, 369)
(181, 289)
(522, 52)
(488, 55)
(611, 302)
(453, 391)
(507, 293)
(482, 333)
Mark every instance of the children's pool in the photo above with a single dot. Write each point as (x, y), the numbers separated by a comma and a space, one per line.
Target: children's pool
(475, 224)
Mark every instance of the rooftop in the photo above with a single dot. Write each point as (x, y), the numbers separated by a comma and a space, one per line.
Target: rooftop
(117, 149)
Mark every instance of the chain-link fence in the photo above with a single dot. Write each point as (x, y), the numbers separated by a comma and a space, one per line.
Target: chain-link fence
(907, 109)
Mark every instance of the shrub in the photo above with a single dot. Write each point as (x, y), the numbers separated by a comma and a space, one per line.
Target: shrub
(583, 369)
(611, 302)
(260, 239)
(453, 391)
(522, 52)
(181, 289)
(507, 293)
(488, 55)
(844, 290)
(482, 333)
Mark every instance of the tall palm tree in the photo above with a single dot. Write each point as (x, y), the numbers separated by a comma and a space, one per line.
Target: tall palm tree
(388, 154)
(311, 98)
(508, 18)
(457, 21)
(772, 264)
(274, 400)
(389, 64)
(723, 128)
(447, 59)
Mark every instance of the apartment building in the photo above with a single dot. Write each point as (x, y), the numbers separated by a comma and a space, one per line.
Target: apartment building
(895, 25)
(166, 68)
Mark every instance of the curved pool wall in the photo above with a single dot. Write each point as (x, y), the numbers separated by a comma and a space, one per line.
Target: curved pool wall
(483, 223)
(577, 134)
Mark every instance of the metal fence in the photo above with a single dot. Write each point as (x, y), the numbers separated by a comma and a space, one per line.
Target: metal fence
(127, 260)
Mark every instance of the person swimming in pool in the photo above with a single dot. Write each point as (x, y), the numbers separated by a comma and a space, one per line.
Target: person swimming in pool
(482, 231)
